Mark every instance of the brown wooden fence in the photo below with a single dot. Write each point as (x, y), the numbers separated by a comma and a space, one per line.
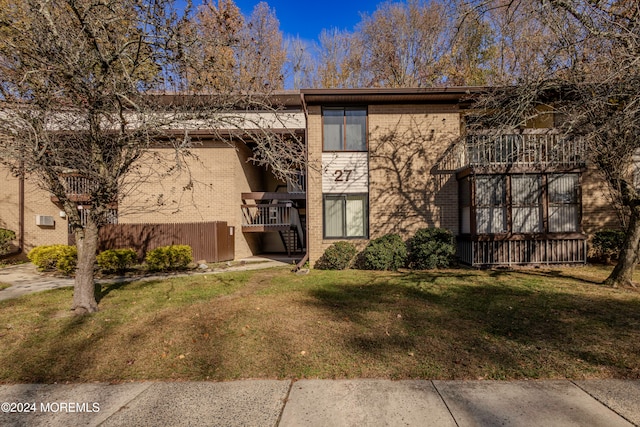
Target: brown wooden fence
(210, 241)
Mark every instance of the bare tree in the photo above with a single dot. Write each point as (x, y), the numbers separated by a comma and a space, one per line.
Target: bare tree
(300, 68)
(405, 43)
(340, 60)
(89, 87)
(261, 56)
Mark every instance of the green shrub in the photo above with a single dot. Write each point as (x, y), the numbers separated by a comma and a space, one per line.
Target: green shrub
(388, 252)
(116, 260)
(168, 258)
(6, 237)
(430, 248)
(606, 244)
(338, 256)
(61, 258)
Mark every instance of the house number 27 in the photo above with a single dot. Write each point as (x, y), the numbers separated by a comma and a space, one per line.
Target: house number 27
(342, 175)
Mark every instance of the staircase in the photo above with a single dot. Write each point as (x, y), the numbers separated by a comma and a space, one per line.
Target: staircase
(291, 241)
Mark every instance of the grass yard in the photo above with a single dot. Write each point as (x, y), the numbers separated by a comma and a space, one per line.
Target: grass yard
(448, 324)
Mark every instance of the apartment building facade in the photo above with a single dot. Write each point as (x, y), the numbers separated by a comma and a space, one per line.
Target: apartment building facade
(377, 161)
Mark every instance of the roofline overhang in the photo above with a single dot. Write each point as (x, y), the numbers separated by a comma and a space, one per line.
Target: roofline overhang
(454, 94)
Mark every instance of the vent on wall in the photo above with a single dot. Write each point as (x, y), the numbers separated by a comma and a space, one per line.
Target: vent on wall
(44, 220)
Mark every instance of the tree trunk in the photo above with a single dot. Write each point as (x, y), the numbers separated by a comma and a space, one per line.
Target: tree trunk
(84, 295)
(622, 274)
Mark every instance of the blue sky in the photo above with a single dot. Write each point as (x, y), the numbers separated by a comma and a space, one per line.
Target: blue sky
(307, 18)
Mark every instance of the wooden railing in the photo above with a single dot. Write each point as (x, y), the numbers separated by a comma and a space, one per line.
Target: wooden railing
(267, 215)
(297, 183)
(522, 252)
(525, 149)
(78, 185)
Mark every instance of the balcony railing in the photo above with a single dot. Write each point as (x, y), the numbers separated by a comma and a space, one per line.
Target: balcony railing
(297, 183)
(272, 215)
(78, 185)
(526, 149)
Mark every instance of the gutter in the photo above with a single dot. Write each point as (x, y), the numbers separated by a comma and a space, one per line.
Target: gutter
(21, 210)
(306, 174)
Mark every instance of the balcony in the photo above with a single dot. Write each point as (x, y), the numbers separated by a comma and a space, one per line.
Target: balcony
(267, 217)
(77, 188)
(532, 149)
(528, 150)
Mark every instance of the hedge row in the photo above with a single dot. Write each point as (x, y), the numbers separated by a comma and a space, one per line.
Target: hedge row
(63, 258)
(429, 248)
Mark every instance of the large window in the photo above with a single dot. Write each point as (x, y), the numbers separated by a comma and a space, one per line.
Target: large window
(514, 203)
(491, 204)
(345, 129)
(563, 203)
(345, 216)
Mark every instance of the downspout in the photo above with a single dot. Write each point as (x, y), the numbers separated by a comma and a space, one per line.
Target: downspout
(306, 172)
(21, 209)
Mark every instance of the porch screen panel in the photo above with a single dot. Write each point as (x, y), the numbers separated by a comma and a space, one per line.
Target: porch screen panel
(491, 212)
(333, 121)
(333, 216)
(356, 130)
(564, 208)
(526, 194)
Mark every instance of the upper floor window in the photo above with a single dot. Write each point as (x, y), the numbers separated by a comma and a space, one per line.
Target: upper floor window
(344, 129)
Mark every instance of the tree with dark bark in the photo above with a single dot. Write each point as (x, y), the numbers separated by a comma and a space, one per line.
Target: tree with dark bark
(90, 87)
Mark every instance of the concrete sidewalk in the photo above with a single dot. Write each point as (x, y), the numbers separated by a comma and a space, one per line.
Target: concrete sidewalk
(325, 403)
(25, 279)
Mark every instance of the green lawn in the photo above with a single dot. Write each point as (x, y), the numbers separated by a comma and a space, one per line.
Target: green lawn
(448, 324)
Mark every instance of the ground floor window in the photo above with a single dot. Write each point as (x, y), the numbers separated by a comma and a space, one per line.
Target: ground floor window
(564, 207)
(491, 204)
(346, 216)
(520, 203)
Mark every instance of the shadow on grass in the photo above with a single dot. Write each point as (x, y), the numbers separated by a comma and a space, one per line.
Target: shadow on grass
(483, 328)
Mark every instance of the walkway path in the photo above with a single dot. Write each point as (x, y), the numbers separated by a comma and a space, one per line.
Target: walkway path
(25, 279)
(326, 403)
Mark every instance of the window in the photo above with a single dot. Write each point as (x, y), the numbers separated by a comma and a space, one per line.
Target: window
(464, 193)
(514, 203)
(526, 206)
(345, 129)
(491, 204)
(345, 216)
(563, 203)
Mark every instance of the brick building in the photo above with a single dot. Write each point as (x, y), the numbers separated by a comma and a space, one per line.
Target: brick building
(378, 161)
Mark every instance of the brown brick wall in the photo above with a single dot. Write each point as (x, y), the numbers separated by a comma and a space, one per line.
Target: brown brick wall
(37, 202)
(207, 189)
(405, 141)
(597, 213)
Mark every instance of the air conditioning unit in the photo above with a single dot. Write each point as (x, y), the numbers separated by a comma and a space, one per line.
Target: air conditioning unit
(46, 220)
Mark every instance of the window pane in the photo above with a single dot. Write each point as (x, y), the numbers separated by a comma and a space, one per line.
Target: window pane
(526, 190)
(490, 190)
(563, 218)
(465, 227)
(356, 130)
(526, 193)
(333, 217)
(563, 203)
(333, 124)
(491, 220)
(563, 188)
(356, 216)
(527, 219)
